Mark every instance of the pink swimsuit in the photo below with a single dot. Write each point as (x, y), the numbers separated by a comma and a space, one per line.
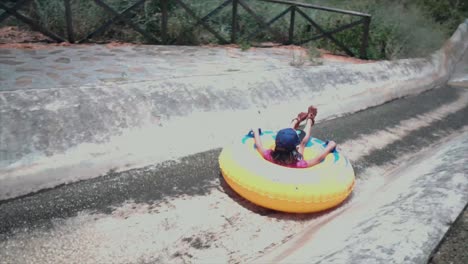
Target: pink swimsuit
(299, 163)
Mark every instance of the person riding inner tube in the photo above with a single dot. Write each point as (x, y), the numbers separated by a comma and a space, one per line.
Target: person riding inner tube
(290, 171)
(289, 146)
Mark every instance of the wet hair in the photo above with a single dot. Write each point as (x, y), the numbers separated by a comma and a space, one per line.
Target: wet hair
(284, 157)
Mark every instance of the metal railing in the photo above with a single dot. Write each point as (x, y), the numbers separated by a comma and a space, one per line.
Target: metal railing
(293, 8)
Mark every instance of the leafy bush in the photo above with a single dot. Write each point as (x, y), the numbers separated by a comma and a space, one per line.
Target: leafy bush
(398, 29)
(449, 13)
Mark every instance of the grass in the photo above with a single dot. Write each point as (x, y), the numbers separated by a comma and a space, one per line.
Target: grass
(399, 29)
(314, 54)
(244, 45)
(298, 59)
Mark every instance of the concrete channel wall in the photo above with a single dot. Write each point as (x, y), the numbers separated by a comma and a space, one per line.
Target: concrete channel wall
(56, 135)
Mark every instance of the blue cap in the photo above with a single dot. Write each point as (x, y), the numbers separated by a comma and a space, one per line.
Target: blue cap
(287, 139)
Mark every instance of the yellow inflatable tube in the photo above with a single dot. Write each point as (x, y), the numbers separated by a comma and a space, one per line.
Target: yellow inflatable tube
(285, 189)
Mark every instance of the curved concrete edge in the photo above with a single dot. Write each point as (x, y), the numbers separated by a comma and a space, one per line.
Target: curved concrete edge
(56, 136)
(459, 78)
(403, 221)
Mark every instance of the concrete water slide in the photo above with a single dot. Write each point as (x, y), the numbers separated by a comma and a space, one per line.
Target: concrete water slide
(411, 184)
(49, 135)
(83, 131)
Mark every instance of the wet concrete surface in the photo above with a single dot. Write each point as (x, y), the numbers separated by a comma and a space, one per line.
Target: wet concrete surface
(61, 135)
(61, 109)
(401, 222)
(57, 224)
(198, 175)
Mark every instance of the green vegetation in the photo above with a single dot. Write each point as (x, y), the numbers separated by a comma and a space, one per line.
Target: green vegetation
(313, 54)
(399, 28)
(244, 45)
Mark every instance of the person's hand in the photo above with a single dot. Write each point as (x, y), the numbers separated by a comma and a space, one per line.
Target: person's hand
(312, 111)
(331, 145)
(252, 132)
(301, 116)
(259, 131)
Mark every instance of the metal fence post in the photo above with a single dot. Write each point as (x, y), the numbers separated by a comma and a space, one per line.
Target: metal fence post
(234, 21)
(164, 19)
(365, 37)
(291, 25)
(68, 18)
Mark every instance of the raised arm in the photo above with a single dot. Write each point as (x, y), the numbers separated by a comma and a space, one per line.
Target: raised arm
(258, 142)
(308, 133)
(329, 148)
(311, 113)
